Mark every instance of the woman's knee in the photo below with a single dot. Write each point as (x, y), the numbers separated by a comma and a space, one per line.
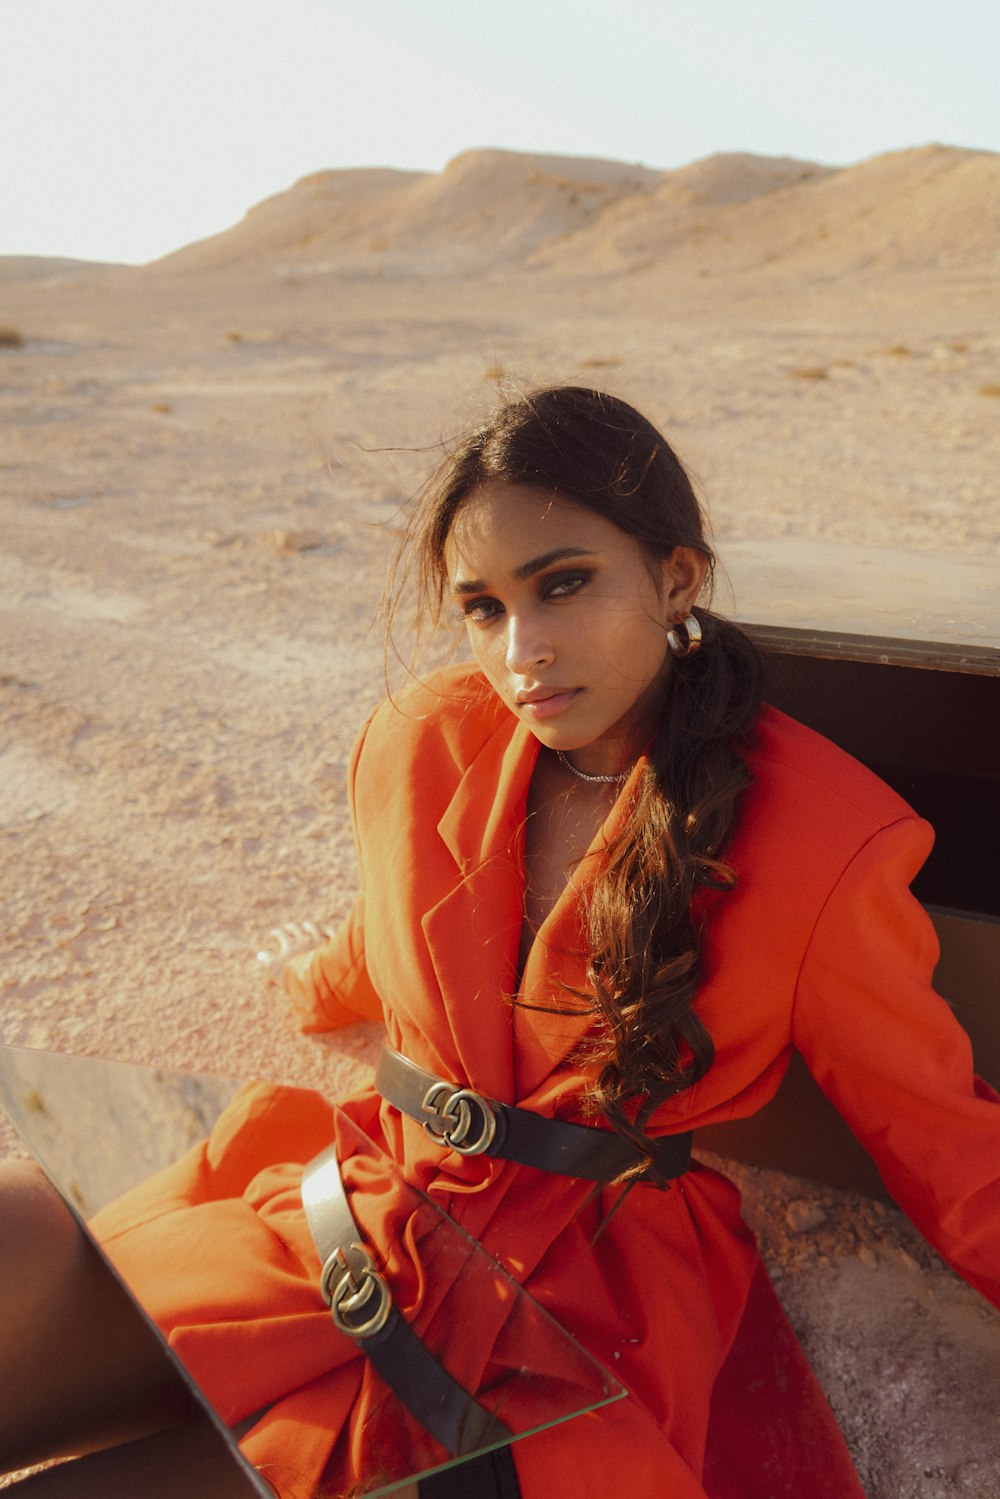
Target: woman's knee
(39, 1237)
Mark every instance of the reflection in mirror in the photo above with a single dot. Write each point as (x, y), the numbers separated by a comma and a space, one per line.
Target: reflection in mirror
(191, 1188)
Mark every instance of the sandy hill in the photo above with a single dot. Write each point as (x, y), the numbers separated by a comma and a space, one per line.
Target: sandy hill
(49, 268)
(736, 176)
(485, 207)
(933, 209)
(933, 206)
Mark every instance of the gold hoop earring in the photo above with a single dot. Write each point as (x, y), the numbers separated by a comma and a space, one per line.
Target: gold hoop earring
(690, 641)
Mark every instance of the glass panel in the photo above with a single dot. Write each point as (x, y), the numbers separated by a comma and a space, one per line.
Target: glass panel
(100, 1129)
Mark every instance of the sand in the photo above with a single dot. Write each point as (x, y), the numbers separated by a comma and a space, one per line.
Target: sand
(203, 468)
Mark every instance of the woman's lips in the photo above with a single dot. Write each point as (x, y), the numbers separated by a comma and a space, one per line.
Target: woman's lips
(549, 707)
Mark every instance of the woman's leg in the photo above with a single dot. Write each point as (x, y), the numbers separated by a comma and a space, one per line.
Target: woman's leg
(79, 1367)
(192, 1461)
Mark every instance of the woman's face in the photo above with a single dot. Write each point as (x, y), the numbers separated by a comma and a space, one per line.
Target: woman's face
(567, 617)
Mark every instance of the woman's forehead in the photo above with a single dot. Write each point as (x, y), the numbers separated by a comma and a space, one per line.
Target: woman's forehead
(502, 520)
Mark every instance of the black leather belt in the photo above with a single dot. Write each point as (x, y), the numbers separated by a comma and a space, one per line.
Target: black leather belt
(361, 1303)
(460, 1119)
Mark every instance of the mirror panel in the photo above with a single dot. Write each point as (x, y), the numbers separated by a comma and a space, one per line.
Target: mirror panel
(181, 1179)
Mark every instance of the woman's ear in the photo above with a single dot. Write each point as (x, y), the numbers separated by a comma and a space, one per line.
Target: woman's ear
(683, 575)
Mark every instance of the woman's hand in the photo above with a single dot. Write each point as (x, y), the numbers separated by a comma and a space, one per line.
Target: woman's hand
(288, 941)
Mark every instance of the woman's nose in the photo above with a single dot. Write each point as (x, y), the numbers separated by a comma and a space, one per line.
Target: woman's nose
(528, 644)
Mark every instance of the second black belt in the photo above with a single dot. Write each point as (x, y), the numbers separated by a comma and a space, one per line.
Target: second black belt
(459, 1118)
(362, 1305)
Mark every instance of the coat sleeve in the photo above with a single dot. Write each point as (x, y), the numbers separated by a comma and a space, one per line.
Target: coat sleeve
(330, 986)
(889, 1054)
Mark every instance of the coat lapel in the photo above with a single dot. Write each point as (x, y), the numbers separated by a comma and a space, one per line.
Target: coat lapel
(473, 933)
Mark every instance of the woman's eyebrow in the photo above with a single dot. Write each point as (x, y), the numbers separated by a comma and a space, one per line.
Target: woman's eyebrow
(526, 569)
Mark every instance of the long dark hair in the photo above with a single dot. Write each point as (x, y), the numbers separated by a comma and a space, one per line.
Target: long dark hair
(643, 964)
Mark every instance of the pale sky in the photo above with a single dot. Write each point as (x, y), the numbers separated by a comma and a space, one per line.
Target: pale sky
(129, 128)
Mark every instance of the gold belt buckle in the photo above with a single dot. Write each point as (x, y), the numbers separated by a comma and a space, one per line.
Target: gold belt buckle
(459, 1117)
(350, 1290)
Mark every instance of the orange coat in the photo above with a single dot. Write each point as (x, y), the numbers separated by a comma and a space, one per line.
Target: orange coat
(820, 947)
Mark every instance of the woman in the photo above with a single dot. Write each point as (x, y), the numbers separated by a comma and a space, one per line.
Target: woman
(601, 886)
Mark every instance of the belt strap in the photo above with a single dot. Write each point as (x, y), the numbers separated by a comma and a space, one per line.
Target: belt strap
(361, 1303)
(458, 1118)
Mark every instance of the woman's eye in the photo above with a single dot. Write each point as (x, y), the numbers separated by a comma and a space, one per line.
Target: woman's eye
(561, 587)
(481, 610)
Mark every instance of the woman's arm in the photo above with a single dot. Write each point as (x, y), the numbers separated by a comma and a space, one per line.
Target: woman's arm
(329, 986)
(890, 1055)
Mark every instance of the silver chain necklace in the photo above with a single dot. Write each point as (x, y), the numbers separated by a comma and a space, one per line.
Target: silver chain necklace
(584, 776)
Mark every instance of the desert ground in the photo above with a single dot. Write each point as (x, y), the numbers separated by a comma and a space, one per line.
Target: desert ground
(205, 468)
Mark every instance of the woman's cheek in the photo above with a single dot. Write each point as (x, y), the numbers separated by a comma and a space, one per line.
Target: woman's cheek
(488, 654)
